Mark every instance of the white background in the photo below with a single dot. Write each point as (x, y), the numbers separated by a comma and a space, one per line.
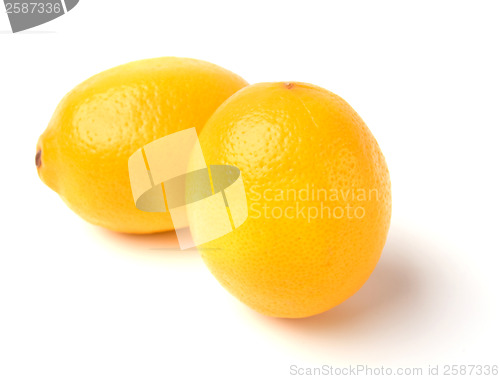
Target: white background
(77, 301)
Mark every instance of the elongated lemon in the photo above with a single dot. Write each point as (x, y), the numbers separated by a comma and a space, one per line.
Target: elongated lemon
(83, 154)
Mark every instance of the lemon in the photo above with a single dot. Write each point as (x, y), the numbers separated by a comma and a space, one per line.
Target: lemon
(83, 154)
(318, 197)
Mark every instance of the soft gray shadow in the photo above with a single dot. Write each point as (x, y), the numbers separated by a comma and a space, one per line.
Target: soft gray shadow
(405, 299)
(157, 246)
(394, 280)
(166, 240)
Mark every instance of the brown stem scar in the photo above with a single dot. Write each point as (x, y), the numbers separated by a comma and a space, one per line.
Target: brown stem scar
(289, 85)
(38, 158)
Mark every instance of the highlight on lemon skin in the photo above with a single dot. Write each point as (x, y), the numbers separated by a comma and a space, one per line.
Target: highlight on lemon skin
(83, 153)
(318, 197)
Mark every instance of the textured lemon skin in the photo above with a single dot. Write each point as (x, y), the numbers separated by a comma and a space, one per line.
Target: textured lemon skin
(101, 122)
(286, 136)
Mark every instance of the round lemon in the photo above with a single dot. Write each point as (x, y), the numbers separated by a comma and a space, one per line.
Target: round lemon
(318, 197)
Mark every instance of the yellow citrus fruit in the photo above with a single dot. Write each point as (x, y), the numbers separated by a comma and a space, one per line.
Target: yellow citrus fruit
(83, 154)
(318, 197)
